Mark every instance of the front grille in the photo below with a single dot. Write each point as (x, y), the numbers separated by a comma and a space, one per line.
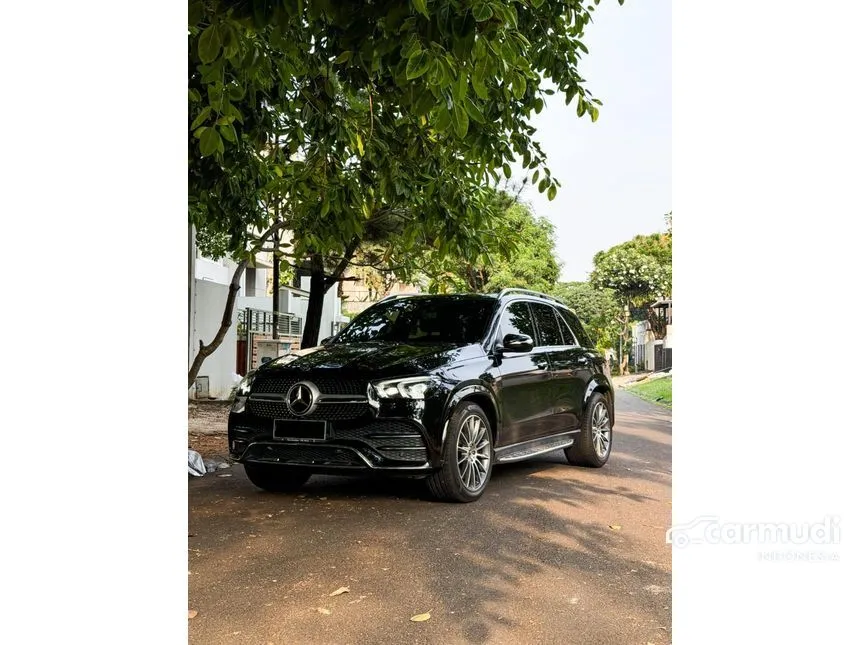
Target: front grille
(280, 385)
(304, 455)
(325, 411)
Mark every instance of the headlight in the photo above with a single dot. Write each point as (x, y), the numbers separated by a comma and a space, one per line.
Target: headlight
(404, 388)
(244, 387)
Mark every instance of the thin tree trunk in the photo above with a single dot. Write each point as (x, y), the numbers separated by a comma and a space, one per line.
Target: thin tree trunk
(226, 321)
(623, 367)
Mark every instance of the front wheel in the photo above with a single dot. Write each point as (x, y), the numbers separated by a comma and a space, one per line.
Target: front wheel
(467, 456)
(594, 442)
(276, 479)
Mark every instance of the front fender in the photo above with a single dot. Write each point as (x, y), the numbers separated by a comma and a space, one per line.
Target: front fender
(467, 390)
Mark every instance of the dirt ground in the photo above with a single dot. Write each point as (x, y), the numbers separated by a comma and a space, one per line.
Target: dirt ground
(207, 428)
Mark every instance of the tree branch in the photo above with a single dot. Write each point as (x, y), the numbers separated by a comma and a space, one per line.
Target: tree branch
(344, 262)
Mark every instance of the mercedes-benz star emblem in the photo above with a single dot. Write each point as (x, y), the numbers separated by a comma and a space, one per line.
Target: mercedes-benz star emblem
(302, 398)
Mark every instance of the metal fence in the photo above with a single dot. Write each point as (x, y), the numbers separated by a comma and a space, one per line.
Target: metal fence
(263, 322)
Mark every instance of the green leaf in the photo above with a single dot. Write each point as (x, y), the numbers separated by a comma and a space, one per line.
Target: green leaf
(519, 85)
(535, 176)
(204, 114)
(473, 111)
(551, 192)
(228, 132)
(543, 185)
(594, 114)
(417, 65)
(215, 94)
(507, 170)
(480, 88)
(229, 40)
(344, 56)
(537, 3)
(209, 142)
(209, 44)
(461, 121)
(482, 12)
(442, 121)
(460, 87)
(421, 7)
(195, 13)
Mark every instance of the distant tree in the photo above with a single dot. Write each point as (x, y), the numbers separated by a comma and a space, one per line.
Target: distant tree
(526, 260)
(639, 271)
(598, 310)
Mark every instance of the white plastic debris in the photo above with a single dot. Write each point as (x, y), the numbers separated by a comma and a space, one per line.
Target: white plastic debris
(196, 466)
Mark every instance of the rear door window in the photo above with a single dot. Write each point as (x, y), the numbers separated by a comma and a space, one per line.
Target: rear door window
(547, 323)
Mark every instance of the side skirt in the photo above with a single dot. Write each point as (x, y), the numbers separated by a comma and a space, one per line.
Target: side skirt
(534, 447)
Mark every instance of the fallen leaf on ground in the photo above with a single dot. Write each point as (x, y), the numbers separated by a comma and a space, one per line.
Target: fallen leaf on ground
(323, 610)
(192, 613)
(615, 527)
(420, 618)
(339, 591)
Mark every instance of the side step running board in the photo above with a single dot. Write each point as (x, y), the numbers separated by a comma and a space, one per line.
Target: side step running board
(533, 448)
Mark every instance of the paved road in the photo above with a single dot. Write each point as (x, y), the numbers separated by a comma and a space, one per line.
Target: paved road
(536, 560)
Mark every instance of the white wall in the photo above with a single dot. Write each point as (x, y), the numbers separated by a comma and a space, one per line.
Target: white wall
(208, 311)
(213, 271)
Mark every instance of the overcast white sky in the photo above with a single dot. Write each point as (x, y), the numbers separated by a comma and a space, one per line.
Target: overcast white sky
(615, 174)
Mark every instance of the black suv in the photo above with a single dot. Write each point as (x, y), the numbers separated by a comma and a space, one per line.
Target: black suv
(437, 386)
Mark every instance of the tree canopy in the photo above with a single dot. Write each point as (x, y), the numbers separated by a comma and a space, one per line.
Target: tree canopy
(321, 117)
(597, 309)
(638, 270)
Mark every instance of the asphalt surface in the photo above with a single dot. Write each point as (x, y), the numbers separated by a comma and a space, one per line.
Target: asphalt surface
(550, 554)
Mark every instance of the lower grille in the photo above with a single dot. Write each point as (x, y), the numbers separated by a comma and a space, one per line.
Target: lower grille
(396, 440)
(304, 455)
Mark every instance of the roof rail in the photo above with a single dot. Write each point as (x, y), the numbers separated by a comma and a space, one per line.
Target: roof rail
(538, 294)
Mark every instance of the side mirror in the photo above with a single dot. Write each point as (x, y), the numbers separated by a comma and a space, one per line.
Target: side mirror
(326, 341)
(265, 359)
(517, 343)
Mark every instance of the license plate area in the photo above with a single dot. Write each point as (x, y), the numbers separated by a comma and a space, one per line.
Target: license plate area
(300, 430)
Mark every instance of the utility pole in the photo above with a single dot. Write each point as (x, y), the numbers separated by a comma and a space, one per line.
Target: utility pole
(276, 278)
(276, 287)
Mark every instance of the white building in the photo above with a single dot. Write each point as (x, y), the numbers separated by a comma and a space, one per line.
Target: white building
(209, 282)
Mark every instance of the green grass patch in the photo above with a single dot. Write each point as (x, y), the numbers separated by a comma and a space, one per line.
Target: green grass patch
(658, 391)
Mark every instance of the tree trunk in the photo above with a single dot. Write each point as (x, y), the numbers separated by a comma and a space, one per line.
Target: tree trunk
(316, 299)
(320, 284)
(226, 321)
(623, 368)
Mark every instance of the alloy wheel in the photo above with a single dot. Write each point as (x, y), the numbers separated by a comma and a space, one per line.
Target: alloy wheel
(600, 429)
(473, 452)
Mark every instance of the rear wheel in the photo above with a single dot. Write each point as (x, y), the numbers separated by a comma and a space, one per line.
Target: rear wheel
(594, 442)
(276, 479)
(467, 456)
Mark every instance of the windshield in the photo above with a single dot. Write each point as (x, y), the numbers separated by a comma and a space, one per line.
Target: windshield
(446, 319)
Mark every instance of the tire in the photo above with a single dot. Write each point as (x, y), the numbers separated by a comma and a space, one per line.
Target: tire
(276, 479)
(594, 443)
(466, 455)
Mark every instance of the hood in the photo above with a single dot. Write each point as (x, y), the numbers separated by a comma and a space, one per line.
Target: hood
(371, 359)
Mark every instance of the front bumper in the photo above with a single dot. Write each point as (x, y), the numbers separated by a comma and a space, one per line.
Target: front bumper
(395, 436)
